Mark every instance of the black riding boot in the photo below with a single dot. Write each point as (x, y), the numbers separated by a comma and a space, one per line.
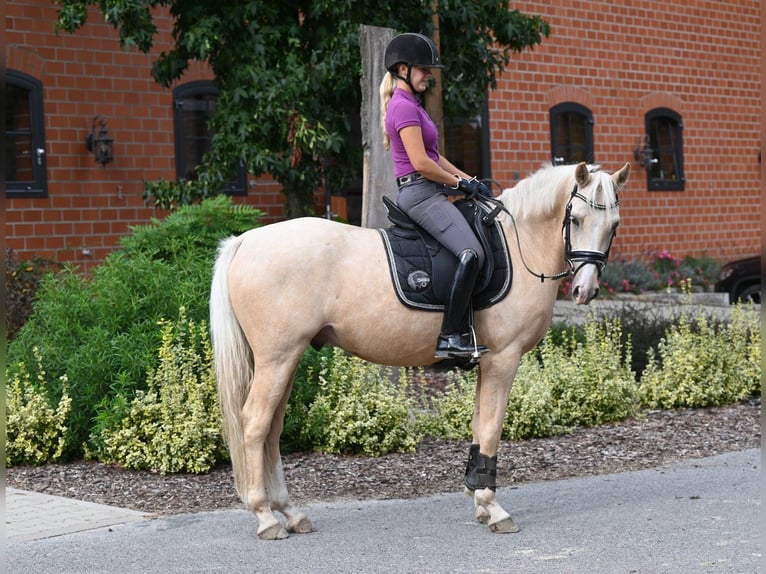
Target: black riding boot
(455, 338)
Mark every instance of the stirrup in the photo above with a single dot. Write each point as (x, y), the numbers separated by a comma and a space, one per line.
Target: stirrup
(455, 346)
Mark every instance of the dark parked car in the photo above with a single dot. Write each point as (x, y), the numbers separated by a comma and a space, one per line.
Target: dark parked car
(741, 279)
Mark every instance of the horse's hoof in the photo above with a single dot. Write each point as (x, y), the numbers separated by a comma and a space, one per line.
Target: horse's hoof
(504, 526)
(273, 532)
(482, 515)
(302, 526)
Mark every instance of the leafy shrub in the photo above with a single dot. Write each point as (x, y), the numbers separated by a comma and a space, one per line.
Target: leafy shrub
(699, 365)
(298, 434)
(656, 272)
(451, 412)
(583, 380)
(642, 327)
(532, 410)
(102, 333)
(34, 428)
(591, 382)
(359, 410)
(173, 426)
(22, 279)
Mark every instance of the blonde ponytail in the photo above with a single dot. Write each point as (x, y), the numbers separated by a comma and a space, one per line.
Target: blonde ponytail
(387, 87)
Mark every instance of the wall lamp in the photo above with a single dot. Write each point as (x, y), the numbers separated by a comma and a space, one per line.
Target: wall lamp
(100, 144)
(643, 153)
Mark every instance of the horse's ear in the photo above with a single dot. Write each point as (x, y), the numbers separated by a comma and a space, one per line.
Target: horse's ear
(621, 177)
(582, 174)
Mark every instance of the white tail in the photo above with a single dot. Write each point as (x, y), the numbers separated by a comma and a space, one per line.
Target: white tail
(233, 360)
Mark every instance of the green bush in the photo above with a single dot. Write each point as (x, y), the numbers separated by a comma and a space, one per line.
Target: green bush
(642, 328)
(359, 410)
(656, 272)
(450, 413)
(585, 379)
(22, 279)
(532, 410)
(175, 425)
(698, 364)
(102, 332)
(298, 435)
(591, 383)
(34, 428)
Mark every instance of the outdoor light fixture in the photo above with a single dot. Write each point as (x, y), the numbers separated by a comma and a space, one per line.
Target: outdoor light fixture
(643, 153)
(101, 144)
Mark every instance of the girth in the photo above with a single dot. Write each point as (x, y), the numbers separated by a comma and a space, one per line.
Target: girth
(422, 269)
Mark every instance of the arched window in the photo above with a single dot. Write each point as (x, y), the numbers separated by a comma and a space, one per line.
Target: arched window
(25, 163)
(663, 156)
(194, 105)
(571, 134)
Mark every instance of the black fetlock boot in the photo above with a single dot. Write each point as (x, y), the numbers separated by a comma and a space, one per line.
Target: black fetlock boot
(455, 340)
(483, 473)
(473, 457)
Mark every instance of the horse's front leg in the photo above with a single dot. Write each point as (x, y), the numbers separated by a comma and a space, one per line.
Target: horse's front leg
(481, 471)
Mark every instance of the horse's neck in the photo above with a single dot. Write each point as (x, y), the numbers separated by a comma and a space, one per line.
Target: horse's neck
(539, 231)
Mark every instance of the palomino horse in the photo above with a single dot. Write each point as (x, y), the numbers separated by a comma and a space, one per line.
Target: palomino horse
(279, 288)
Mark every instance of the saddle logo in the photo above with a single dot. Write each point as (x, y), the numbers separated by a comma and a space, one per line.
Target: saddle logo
(418, 281)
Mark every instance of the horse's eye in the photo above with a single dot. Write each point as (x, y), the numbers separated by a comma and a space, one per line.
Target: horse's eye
(574, 221)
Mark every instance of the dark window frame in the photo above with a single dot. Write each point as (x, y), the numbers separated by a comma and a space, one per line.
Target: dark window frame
(666, 150)
(191, 90)
(38, 186)
(565, 154)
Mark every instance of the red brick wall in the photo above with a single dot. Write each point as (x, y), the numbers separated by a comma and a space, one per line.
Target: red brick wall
(89, 207)
(618, 59)
(621, 59)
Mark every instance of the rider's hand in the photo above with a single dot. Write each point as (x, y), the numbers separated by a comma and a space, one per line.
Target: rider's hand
(473, 187)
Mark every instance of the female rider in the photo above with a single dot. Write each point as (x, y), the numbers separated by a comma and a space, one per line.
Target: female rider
(423, 176)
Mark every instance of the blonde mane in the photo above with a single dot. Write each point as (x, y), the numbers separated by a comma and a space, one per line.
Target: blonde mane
(544, 191)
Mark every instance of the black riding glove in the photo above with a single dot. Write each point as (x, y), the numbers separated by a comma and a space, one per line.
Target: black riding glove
(473, 187)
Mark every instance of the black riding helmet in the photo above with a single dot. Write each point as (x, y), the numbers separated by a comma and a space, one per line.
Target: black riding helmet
(413, 50)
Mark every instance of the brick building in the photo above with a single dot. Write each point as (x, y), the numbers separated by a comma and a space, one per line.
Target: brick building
(679, 89)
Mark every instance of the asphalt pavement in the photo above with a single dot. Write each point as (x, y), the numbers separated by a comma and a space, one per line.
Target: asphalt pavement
(693, 517)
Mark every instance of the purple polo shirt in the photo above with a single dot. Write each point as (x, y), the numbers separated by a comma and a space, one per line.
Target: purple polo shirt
(404, 110)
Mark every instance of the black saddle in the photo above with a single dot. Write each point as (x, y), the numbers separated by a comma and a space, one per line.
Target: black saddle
(422, 269)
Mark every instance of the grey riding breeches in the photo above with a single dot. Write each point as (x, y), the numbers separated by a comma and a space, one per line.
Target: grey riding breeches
(427, 204)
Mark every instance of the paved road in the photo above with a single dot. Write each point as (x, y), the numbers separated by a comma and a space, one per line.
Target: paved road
(695, 517)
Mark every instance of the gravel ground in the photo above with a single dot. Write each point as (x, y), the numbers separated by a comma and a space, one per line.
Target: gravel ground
(656, 438)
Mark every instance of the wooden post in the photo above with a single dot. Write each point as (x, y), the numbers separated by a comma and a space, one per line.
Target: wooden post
(378, 170)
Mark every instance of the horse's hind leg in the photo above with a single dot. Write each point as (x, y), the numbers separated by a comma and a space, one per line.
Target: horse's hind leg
(297, 521)
(270, 386)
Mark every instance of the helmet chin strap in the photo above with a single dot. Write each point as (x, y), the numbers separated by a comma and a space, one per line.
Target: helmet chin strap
(407, 80)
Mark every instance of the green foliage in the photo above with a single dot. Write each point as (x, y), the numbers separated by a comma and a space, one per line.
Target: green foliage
(359, 410)
(34, 428)
(642, 326)
(196, 228)
(298, 434)
(584, 379)
(658, 271)
(22, 279)
(451, 412)
(591, 383)
(173, 426)
(289, 80)
(102, 332)
(700, 365)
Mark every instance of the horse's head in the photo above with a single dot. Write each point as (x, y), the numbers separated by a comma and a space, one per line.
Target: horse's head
(590, 223)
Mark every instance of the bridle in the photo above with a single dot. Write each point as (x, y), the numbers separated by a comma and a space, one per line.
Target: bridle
(585, 256)
(576, 259)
